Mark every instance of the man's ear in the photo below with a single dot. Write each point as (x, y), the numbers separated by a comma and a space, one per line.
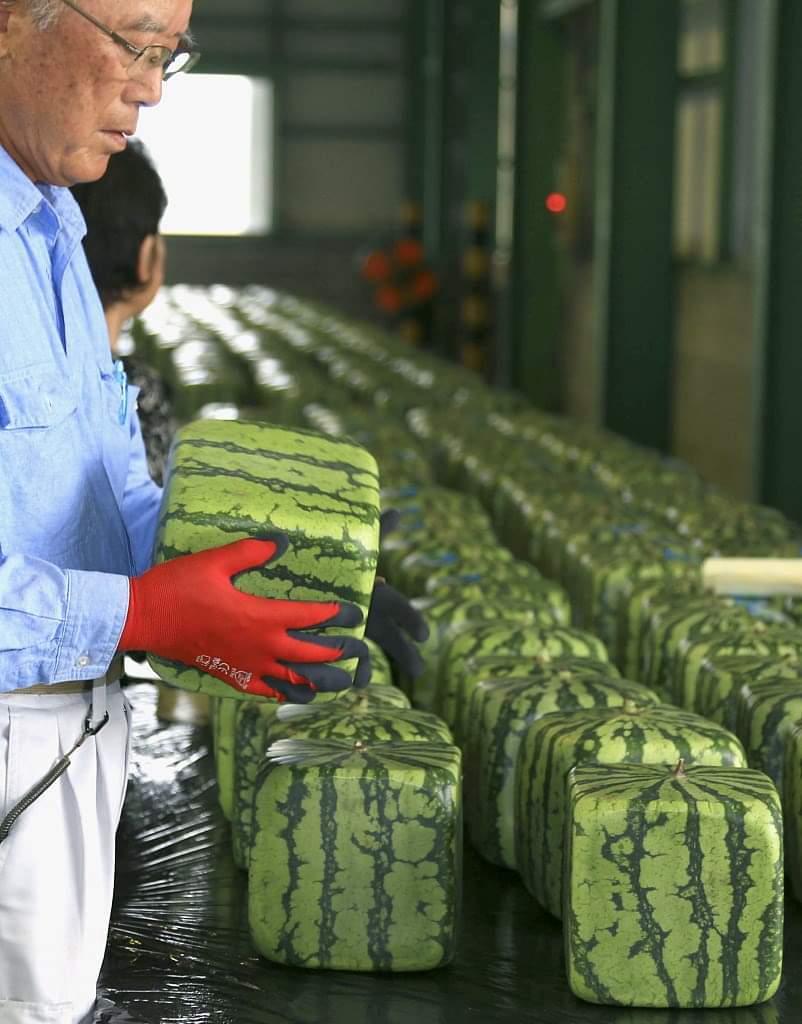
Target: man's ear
(146, 261)
(8, 9)
(150, 265)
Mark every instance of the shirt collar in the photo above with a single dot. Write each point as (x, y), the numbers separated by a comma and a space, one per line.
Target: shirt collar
(67, 210)
(20, 198)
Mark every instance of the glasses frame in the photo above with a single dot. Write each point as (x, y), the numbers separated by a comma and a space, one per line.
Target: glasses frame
(194, 55)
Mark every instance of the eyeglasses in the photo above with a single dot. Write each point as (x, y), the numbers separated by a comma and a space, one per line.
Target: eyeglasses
(171, 62)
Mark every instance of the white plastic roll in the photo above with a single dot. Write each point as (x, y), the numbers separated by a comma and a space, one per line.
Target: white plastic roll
(753, 577)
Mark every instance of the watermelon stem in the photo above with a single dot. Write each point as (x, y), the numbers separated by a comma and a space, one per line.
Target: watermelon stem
(679, 771)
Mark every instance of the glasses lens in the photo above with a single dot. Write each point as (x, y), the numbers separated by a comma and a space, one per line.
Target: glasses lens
(151, 59)
(181, 61)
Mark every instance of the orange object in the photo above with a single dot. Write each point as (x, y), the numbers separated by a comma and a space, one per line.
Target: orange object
(389, 298)
(377, 266)
(423, 285)
(408, 252)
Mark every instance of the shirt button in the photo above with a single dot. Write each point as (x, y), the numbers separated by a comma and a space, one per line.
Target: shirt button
(83, 661)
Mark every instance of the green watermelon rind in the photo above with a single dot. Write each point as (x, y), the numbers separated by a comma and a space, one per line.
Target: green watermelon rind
(657, 734)
(227, 481)
(501, 710)
(504, 638)
(252, 737)
(356, 862)
(678, 878)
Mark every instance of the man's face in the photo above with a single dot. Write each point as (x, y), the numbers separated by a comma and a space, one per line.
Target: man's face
(67, 100)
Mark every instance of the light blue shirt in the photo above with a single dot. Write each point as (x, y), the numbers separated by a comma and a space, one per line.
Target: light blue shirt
(77, 507)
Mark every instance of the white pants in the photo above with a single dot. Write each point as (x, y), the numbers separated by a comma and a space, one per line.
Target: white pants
(57, 864)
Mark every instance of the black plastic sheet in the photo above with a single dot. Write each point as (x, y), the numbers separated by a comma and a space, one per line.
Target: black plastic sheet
(179, 949)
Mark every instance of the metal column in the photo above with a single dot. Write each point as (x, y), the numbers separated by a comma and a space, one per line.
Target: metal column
(779, 328)
(635, 169)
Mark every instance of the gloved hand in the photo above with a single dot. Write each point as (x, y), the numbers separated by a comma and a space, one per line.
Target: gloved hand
(188, 610)
(391, 615)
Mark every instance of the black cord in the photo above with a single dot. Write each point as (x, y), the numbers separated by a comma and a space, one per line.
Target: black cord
(45, 783)
(33, 794)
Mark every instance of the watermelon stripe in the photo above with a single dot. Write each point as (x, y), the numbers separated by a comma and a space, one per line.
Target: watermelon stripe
(249, 735)
(276, 488)
(293, 810)
(224, 726)
(318, 458)
(290, 480)
(328, 835)
(630, 862)
(703, 912)
(740, 853)
(241, 524)
(375, 792)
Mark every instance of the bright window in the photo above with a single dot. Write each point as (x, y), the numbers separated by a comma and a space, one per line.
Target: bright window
(211, 140)
(700, 133)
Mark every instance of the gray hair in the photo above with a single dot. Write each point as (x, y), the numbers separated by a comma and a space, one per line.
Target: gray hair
(44, 12)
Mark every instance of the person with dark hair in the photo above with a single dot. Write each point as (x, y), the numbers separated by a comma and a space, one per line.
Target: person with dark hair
(126, 255)
(78, 511)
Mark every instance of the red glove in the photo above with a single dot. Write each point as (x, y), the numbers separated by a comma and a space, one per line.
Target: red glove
(188, 610)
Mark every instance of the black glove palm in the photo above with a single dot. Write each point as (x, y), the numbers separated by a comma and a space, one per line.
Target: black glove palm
(392, 619)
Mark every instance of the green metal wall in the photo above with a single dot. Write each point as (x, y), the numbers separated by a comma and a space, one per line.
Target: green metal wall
(780, 307)
(634, 296)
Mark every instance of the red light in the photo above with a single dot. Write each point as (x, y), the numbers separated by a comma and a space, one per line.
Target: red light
(556, 202)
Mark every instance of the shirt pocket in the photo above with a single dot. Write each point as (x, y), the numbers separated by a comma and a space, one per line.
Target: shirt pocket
(118, 404)
(46, 508)
(35, 400)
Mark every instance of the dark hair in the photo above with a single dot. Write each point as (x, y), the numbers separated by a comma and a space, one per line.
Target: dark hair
(121, 210)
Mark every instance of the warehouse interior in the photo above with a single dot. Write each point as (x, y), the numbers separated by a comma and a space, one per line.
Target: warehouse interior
(590, 208)
(658, 303)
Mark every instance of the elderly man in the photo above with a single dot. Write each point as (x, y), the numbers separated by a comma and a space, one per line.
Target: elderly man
(78, 510)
